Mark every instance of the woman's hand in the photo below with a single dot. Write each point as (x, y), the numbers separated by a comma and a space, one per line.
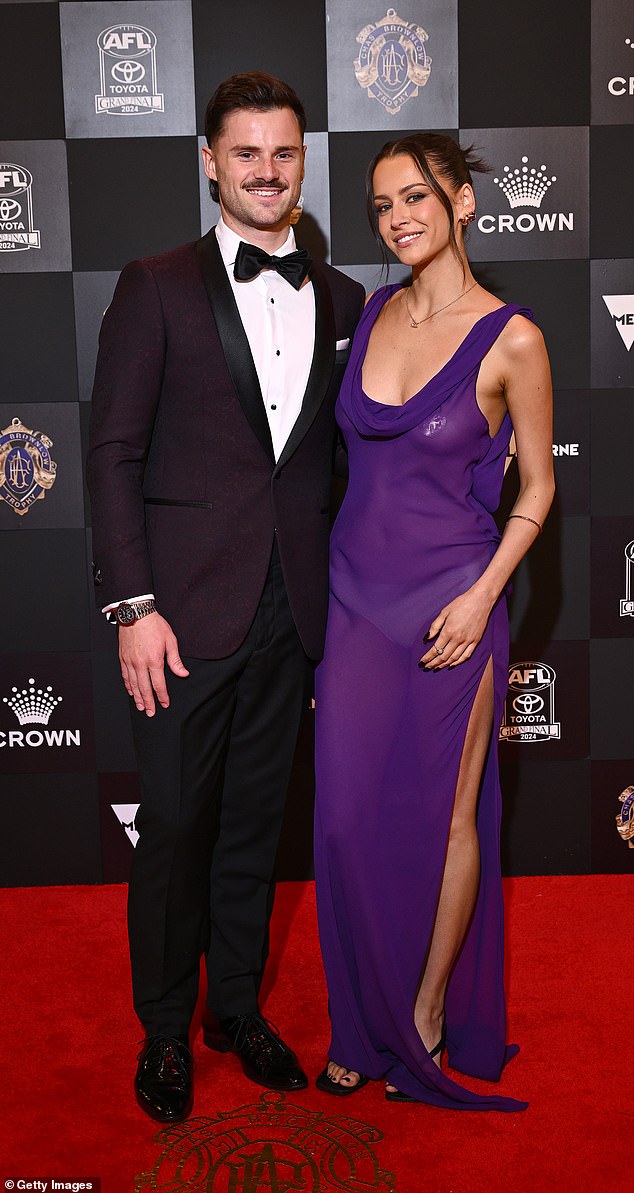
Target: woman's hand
(457, 629)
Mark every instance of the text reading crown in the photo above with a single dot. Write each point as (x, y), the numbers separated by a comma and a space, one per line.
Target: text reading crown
(32, 705)
(525, 187)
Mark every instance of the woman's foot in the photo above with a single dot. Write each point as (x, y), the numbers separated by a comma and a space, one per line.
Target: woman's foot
(430, 1028)
(336, 1079)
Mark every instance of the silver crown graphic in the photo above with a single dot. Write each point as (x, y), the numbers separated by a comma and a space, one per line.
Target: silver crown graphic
(525, 187)
(32, 705)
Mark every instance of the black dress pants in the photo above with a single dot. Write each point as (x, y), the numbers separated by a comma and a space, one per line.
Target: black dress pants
(215, 768)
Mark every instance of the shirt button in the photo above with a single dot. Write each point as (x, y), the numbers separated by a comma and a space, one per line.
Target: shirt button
(273, 406)
(273, 301)
(277, 351)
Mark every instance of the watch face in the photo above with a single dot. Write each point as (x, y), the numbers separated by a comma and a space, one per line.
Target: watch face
(125, 615)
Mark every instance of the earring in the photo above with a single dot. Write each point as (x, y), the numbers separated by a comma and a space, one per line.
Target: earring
(297, 210)
(467, 218)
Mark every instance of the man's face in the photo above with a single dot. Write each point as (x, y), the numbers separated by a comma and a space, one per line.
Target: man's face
(258, 163)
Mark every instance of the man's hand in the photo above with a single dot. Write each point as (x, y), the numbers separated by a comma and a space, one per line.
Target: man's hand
(143, 649)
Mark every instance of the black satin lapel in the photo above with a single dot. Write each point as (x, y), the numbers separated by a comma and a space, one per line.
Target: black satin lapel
(235, 345)
(321, 367)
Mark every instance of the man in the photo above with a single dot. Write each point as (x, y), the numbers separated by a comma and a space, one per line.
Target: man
(211, 450)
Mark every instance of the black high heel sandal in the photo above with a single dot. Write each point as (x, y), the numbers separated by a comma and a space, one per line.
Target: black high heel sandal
(325, 1083)
(397, 1095)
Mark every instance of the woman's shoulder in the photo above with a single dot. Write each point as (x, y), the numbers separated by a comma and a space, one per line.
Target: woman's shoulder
(521, 336)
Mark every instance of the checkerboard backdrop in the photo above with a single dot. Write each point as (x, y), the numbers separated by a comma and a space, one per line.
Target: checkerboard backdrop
(101, 111)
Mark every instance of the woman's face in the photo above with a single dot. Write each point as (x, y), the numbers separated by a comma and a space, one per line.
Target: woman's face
(411, 218)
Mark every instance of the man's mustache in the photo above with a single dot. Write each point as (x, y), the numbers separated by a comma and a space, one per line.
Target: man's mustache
(265, 183)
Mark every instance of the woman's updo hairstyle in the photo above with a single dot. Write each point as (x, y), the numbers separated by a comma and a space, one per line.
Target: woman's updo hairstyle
(435, 155)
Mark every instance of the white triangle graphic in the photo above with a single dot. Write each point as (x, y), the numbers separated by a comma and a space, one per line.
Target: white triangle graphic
(126, 815)
(621, 308)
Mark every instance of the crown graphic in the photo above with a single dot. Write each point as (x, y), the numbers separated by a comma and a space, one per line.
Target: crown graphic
(525, 187)
(32, 705)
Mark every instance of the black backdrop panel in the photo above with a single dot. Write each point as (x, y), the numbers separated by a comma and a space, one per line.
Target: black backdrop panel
(54, 836)
(128, 197)
(86, 185)
(551, 587)
(37, 322)
(278, 38)
(612, 438)
(93, 292)
(45, 604)
(114, 735)
(523, 65)
(546, 816)
(31, 95)
(611, 671)
(611, 182)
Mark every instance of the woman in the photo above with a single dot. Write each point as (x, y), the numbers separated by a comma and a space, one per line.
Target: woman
(411, 689)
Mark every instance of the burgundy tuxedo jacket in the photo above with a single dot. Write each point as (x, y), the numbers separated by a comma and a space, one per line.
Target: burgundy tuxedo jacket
(185, 491)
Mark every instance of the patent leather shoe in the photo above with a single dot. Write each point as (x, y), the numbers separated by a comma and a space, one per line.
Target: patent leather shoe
(264, 1056)
(164, 1078)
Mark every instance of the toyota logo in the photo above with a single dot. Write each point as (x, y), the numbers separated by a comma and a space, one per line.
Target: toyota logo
(10, 209)
(528, 702)
(128, 71)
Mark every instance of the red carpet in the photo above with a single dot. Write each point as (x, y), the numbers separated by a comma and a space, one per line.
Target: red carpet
(70, 1036)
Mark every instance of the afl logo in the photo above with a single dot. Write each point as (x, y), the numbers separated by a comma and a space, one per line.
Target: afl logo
(128, 86)
(529, 713)
(16, 209)
(14, 180)
(126, 41)
(532, 677)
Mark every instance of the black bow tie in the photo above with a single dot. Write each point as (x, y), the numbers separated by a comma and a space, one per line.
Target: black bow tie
(250, 260)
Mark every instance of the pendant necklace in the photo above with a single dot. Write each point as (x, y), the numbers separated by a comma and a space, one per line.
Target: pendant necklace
(417, 322)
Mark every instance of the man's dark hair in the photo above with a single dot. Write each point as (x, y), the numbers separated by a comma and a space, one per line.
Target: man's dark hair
(252, 91)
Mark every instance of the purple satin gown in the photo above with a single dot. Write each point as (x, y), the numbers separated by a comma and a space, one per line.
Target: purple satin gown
(415, 530)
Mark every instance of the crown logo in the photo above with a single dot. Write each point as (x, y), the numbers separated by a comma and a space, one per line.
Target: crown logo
(32, 705)
(525, 187)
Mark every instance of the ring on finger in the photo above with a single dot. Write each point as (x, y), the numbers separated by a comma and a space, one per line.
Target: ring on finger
(439, 650)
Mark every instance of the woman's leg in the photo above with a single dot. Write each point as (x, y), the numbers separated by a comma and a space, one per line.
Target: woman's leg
(461, 873)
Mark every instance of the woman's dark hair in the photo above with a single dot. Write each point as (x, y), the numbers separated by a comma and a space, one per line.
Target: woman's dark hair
(252, 91)
(435, 155)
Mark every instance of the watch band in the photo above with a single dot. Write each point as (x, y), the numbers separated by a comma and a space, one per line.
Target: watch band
(129, 612)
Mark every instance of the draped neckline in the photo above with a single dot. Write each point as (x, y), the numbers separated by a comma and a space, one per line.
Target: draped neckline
(439, 372)
(374, 418)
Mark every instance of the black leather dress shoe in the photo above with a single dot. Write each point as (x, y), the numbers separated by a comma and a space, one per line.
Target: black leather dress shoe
(265, 1057)
(164, 1078)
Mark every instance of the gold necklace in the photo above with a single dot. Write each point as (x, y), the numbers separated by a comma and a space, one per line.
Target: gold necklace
(417, 322)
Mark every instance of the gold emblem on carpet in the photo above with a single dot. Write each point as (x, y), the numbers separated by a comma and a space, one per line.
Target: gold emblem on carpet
(271, 1146)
